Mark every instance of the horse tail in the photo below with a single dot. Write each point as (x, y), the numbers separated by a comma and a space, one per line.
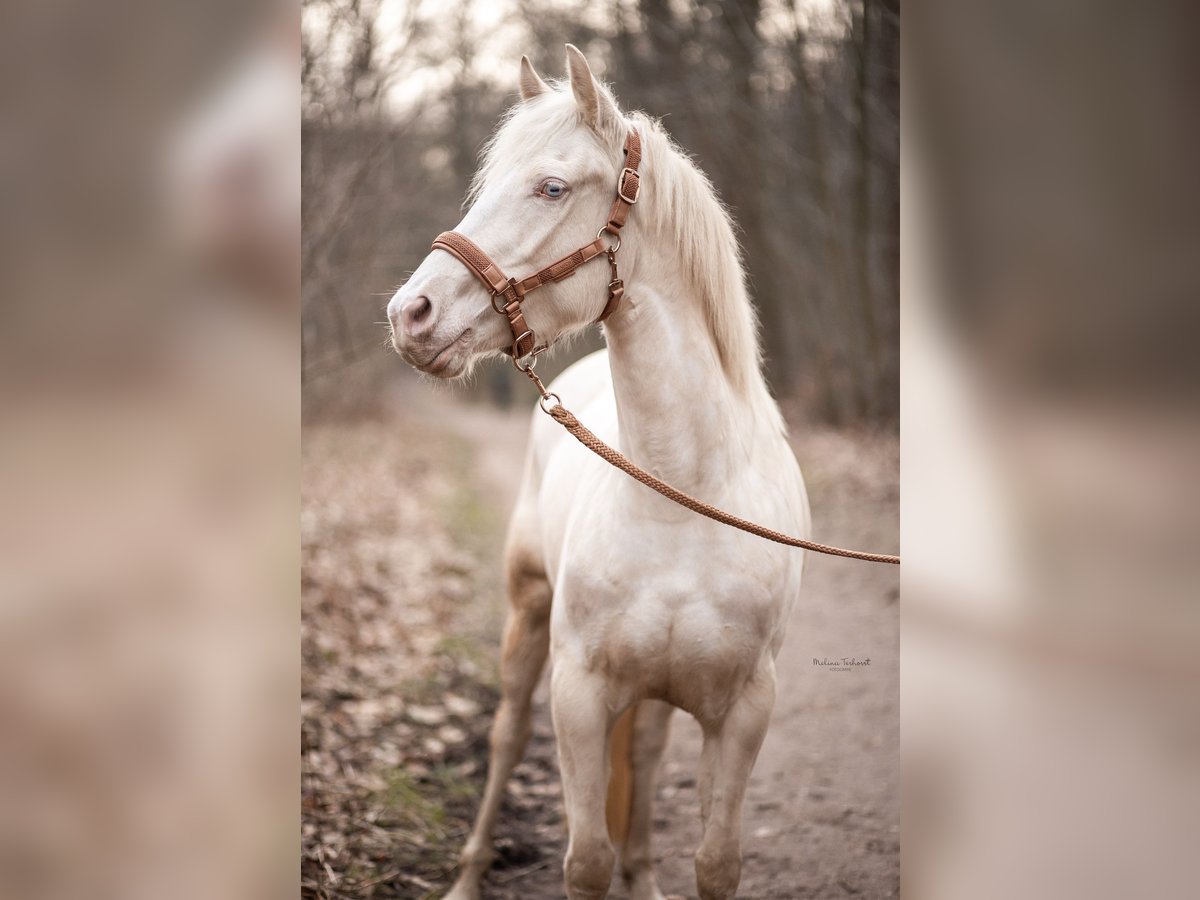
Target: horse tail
(620, 782)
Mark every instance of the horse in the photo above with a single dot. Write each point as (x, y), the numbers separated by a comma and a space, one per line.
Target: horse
(641, 606)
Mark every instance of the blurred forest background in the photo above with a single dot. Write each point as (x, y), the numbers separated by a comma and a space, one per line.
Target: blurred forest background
(792, 108)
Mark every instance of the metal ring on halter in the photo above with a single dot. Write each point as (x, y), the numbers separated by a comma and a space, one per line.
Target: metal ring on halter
(615, 247)
(532, 354)
(542, 400)
(499, 309)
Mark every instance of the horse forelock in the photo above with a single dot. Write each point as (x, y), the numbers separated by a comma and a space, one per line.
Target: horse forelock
(526, 128)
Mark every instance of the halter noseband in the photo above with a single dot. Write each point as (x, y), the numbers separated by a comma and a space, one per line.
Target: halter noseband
(507, 294)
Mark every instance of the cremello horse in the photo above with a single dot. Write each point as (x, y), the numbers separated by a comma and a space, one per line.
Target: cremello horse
(653, 606)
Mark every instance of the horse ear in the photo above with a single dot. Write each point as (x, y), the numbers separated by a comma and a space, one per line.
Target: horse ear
(595, 107)
(531, 83)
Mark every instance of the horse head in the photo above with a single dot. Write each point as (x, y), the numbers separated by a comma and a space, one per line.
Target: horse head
(545, 183)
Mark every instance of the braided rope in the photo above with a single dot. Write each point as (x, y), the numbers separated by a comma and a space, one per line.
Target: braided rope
(580, 432)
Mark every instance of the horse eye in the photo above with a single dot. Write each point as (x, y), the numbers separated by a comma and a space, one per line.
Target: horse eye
(552, 188)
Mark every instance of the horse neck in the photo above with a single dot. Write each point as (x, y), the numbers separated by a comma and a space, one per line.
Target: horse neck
(679, 415)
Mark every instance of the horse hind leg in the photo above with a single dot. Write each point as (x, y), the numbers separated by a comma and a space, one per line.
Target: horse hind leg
(651, 721)
(523, 656)
(730, 749)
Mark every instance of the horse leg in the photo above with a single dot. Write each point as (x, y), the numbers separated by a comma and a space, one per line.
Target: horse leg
(581, 723)
(526, 643)
(730, 748)
(652, 724)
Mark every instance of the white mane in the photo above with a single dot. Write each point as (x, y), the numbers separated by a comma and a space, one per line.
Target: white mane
(679, 206)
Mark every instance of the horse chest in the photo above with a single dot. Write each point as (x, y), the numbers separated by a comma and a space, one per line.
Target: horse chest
(663, 610)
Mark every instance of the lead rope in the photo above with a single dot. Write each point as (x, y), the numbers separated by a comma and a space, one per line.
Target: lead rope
(581, 433)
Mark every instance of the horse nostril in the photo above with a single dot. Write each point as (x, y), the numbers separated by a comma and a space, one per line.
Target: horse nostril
(415, 312)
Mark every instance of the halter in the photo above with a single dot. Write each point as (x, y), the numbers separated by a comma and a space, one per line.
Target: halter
(507, 294)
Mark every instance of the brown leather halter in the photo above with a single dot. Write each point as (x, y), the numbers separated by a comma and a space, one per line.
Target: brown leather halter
(507, 294)
(511, 294)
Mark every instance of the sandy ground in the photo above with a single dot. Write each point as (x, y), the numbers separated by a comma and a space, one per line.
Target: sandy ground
(822, 810)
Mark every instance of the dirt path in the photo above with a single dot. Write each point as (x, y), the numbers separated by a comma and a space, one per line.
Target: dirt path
(822, 810)
(401, 537)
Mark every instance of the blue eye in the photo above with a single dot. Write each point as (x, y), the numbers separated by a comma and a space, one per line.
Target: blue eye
(553, 188)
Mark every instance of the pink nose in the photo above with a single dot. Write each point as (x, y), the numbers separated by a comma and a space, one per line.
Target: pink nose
(415, 316)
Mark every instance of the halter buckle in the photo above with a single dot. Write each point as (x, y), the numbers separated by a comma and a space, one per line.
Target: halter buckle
(637, 186)
(502, 294)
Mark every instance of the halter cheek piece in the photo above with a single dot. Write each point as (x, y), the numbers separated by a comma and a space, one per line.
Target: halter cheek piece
(507, 294)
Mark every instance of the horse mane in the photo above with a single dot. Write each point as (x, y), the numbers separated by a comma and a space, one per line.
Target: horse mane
(677, 191)
(674, 191)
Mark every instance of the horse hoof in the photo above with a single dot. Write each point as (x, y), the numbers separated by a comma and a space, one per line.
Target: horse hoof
(650, 892)
(463, 891)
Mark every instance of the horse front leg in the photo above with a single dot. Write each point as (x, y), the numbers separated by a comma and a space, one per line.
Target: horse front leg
(730, 749)
(582, 723)
(651, 729)
(523, 655)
